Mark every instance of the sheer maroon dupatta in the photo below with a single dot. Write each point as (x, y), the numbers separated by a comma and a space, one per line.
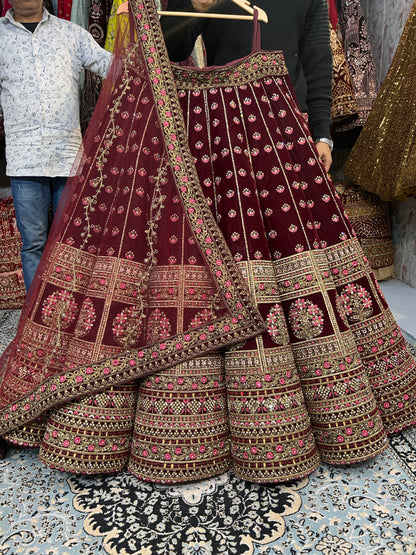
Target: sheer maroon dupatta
(136, 276)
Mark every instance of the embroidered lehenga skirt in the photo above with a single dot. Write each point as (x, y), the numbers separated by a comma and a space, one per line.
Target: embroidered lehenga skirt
(12, 287)
(204, 304)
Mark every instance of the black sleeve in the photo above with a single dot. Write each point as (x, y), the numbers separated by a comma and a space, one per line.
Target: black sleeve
(180, 32)
(316, 58)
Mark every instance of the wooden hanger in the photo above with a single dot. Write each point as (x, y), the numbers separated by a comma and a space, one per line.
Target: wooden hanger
(243, 4)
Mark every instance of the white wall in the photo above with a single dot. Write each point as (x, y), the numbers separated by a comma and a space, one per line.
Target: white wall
(385, 20)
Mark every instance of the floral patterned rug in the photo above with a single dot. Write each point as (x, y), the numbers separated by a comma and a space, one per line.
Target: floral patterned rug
(366, 509)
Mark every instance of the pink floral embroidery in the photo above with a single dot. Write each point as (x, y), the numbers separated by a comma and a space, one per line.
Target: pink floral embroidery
(59, 309)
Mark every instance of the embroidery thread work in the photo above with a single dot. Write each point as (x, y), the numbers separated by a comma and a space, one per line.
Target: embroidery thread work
(205, 303)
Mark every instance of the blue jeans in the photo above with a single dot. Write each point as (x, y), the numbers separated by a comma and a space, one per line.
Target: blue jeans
(32, 197)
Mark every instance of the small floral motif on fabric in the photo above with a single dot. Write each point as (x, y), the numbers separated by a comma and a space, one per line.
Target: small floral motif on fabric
(59, 309)
(356, 302)
(201, 317)
(86, 319)
(276, 325)
(127, 326)
(341, 309)
(159, 326)
(306, 319)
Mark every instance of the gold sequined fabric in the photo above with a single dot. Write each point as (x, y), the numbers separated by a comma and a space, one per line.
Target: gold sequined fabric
(370, 219)
(383, 159)
(98, 428)
(181, 430)
(29, 435)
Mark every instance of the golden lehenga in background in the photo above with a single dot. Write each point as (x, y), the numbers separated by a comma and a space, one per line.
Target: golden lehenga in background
(370, 219)
(383, 160)
(369, 216)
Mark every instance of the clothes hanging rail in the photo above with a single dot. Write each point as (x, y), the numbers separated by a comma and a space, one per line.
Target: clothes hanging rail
(243, 4)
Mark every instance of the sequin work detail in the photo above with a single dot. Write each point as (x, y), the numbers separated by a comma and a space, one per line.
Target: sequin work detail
(214, 284)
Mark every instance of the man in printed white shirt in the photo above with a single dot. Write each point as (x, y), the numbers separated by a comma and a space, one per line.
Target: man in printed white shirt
(41, 58)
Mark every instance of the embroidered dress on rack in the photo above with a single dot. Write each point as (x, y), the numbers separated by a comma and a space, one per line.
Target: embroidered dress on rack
(12, 287)
(302, 392)
(344, 104)
(136, 277)
(360, 59)
(203, 256)
(383, 160)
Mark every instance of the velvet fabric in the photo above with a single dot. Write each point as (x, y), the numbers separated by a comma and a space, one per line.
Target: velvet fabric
(204, 303)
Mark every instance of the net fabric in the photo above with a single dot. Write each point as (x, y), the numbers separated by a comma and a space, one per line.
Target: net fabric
(132, 232)
(243, 240)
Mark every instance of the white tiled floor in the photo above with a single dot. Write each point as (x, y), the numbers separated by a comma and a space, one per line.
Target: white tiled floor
(402, 301)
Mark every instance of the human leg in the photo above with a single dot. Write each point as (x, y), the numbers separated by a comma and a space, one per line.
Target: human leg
(31, 198)
(57, 188)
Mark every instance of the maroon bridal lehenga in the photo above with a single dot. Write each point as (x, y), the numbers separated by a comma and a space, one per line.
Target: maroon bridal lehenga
(203, 303)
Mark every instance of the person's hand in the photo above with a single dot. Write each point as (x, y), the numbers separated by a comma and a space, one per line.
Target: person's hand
(203, 5)
(123, 8)
(325, 155)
